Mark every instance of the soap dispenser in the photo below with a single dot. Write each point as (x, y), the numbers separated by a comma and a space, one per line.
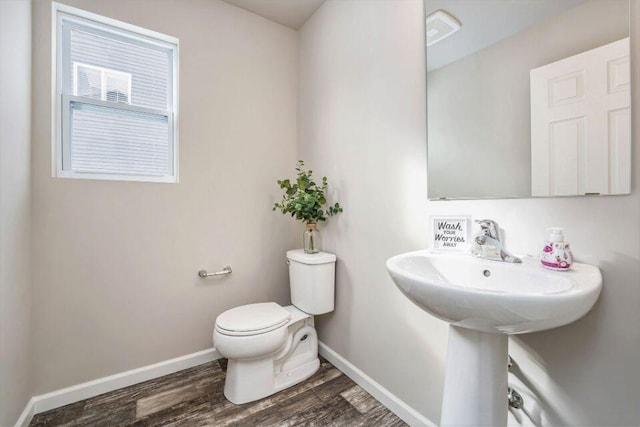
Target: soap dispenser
(556, 254)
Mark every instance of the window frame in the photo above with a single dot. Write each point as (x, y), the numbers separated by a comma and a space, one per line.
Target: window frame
(61, 103)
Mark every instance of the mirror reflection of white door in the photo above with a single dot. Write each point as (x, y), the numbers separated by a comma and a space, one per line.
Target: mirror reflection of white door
(581, 124)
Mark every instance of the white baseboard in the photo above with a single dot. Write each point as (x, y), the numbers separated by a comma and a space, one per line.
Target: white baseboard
(27, 414)
(384, 396)
(65, 396)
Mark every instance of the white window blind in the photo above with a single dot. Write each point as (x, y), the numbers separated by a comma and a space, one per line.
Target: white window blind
(116, 91)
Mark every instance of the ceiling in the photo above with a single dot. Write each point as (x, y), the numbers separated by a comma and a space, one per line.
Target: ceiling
(292, 13)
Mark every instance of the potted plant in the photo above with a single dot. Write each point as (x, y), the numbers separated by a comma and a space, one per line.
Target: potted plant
(305, 201)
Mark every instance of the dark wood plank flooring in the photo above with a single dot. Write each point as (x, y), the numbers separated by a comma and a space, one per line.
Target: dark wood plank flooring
(194, 397)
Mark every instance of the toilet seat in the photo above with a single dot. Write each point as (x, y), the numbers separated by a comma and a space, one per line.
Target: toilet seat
(252, 319)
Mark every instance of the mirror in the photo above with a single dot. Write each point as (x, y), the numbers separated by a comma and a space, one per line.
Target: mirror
(528, 98)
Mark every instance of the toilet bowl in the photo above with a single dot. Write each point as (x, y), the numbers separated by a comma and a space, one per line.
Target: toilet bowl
(270, 347)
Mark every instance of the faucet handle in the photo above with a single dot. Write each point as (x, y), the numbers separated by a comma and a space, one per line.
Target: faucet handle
(489, 228)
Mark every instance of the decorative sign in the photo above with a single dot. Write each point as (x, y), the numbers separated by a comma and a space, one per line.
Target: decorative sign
(450, 233)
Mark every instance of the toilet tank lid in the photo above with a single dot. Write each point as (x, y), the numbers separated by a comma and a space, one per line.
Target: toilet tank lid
(299, 255)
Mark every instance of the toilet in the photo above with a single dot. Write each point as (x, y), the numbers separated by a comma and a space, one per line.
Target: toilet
(270, 347)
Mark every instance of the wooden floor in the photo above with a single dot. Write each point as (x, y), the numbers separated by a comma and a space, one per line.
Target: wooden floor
(194, 397)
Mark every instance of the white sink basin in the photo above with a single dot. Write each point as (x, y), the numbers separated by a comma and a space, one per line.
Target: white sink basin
(494, 296)
(485, 301)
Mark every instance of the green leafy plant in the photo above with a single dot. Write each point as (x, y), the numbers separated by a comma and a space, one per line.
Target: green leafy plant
(304, 199)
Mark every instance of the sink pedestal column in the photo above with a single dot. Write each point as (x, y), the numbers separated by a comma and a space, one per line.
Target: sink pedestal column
(475, 387)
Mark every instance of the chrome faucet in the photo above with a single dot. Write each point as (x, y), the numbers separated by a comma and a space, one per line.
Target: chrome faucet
(489, 237)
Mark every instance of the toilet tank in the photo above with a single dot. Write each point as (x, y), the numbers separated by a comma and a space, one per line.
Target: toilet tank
(312, 279)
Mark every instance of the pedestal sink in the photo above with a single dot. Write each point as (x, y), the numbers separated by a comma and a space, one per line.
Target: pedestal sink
(485, 301)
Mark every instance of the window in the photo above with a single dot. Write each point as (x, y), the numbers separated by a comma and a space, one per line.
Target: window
(115, 100)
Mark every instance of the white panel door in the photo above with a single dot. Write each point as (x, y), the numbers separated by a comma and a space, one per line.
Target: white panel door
(580, 124)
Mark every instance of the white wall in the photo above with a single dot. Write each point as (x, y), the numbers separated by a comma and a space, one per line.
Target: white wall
(362, 122)
(15, 208)
(115, 263)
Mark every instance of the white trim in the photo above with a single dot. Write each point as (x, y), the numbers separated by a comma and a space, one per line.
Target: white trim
(56, 75)
(134, 29)
(176, 107)
(384, 396)
(117, 177)
(27, 414)
(65, 396)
